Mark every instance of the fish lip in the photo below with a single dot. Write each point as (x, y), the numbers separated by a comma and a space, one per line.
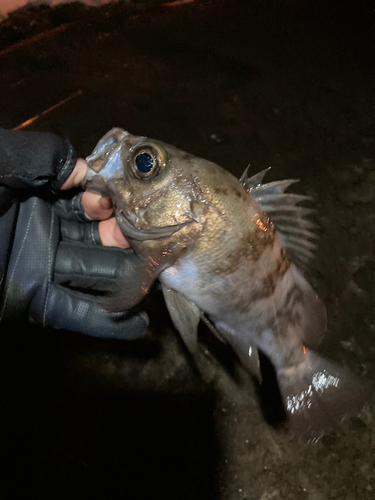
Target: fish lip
(153, 233)
(111, 142)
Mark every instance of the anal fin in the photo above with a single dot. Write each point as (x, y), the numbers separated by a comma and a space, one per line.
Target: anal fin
(244, 348)
(249, 357)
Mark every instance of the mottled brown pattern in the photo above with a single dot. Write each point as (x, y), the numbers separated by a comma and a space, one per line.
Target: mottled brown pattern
(221, 190)
(256, 244)
(288, 315)
(239, 193)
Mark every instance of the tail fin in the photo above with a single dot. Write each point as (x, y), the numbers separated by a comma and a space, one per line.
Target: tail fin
(319, 395)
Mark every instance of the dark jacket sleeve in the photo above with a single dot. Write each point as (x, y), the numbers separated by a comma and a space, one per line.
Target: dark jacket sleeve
(28, 160)
(34, 159)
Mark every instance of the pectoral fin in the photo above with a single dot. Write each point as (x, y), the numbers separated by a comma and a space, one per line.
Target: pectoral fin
(185, 316)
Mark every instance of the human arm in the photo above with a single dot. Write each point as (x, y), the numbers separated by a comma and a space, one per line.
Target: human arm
(51, 256)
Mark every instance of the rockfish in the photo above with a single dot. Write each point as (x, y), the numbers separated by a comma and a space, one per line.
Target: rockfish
(230, 252)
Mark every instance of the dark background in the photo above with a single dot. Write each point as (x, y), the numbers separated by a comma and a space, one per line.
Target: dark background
(288, 84)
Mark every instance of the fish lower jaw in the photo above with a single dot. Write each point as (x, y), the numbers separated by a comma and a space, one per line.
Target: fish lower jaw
(151, 233)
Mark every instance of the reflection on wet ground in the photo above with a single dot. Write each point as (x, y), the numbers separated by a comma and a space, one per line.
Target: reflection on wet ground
(235, 82)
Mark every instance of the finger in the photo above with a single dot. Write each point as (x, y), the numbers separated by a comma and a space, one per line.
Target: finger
(96, 206)
(76, 176)
(111, 235)
(90, 267)
(81, 314)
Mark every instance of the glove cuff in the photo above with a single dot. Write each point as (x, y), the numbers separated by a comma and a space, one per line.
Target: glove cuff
(65, 165)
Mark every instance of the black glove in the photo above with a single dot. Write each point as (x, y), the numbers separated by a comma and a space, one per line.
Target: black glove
(56, 260)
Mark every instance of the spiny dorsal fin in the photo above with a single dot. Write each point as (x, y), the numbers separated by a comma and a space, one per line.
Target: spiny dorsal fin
(295, 232)
(255, 180)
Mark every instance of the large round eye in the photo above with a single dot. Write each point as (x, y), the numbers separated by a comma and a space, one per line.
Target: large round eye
(147, 160)
(144, 162)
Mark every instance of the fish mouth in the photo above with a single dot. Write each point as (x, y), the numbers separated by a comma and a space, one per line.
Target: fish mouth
(109, 143)
(152, 233)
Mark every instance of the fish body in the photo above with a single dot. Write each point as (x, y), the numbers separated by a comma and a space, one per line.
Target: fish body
(228, 250)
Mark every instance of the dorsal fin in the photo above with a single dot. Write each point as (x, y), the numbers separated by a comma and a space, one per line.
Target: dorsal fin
(295, 232)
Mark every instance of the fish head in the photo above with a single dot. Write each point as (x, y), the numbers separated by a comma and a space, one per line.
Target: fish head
(156, 189)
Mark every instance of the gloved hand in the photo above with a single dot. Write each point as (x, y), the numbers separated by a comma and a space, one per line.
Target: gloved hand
(56, 261)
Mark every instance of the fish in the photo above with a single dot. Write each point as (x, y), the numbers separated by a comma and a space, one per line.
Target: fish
(231, 252)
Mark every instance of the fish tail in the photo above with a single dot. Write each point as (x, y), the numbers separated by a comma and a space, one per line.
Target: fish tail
(319, 395)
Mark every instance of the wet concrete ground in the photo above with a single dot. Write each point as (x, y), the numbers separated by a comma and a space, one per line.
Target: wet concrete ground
(290, 86)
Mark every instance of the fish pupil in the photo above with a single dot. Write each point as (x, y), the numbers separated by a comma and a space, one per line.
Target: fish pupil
(144, 163)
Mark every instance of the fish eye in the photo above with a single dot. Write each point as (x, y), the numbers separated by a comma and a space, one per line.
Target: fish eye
(144, 162)
(147, 161)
